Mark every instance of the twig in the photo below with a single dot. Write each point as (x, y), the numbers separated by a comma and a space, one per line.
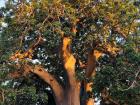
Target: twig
(133, 83)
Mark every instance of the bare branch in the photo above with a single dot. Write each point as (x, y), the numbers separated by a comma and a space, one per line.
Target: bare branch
(133, 83)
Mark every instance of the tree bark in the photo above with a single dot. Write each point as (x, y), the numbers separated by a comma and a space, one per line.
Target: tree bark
(91, 72)
(63, 96)
(48, 78)
(70, 95)
(93, 56)
(73, 87)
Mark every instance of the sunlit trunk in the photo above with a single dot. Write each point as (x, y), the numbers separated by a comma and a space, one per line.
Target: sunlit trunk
(72, 96)
(72, 90)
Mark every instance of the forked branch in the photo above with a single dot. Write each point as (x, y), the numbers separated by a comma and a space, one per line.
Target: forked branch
(68, 60)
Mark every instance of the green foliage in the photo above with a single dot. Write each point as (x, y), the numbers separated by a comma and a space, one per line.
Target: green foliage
(120, 75)
(24, 96)
(96, 22)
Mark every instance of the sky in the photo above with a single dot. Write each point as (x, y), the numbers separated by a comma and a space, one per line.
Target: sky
(2, 2)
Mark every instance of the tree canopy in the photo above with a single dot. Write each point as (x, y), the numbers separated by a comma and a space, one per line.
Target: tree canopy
(93, 42)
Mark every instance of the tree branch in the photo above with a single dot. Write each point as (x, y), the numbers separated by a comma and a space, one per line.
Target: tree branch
(43, 74)
(96, 53)
(68, 60)
(2, 95)
(48, 78)
(93, 56)
(29, 52)
(133, 83)
(106, 98)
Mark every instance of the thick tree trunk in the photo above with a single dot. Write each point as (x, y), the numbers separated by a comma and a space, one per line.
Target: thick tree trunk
(72, 96)
(63, 96)
(72, 91)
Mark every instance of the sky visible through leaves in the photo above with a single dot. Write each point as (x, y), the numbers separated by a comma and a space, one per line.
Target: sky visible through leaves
(2, 3)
